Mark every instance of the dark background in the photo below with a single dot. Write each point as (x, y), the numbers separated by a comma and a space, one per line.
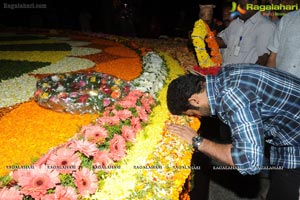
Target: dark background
(151, 18)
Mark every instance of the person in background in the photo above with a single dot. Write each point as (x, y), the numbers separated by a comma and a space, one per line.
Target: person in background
(226, 18)
(246, 38)
(127, 27)
(285, 44)
(260, 104)
(85, 20)
(206, 13)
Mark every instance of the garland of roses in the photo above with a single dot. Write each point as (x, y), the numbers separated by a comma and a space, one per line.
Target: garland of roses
(208, 64)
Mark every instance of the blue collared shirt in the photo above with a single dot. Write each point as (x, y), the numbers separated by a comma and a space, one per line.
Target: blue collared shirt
(259, 104)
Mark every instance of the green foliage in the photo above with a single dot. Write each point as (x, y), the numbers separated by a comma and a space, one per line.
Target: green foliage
(104, 145)
(51, 191)
(129, 145)
(115, 129)
(134, 112)
(11, 69)
(101, 175)
(86, 161)
(127, 122)
(4, 180)
(118, 107)
(67, 180)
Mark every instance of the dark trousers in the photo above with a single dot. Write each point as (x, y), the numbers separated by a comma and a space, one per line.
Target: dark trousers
(284, 184)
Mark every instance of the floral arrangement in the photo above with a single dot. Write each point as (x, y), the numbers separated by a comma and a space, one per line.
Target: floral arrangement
(201, 34)
(73, 170)
(154, 75)
(79, 167)
(96, 160)
(164, 174)
(80, 93)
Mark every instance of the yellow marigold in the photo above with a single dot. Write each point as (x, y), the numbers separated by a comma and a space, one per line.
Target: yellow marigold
(29, 131)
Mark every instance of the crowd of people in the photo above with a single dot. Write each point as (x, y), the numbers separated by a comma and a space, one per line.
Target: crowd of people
(254, 99)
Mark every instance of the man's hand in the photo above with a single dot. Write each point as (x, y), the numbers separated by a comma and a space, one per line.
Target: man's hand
(272, 60)
(184, 132)
(220, 152)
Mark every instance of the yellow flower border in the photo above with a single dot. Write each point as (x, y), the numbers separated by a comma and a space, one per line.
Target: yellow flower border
(123, 181)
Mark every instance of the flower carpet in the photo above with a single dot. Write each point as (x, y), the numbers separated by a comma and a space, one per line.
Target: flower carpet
(117, 150)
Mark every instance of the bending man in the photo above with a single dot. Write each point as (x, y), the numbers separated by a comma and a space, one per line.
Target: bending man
(259, 104)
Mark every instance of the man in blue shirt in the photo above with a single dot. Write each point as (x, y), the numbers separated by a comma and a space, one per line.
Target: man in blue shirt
(259, 104)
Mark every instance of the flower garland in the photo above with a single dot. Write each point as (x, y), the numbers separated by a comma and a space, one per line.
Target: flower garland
(201, 33)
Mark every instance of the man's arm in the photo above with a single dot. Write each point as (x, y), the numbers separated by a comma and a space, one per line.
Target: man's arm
(272, 60)
(221, 42)
(263, 59)
(220, 152)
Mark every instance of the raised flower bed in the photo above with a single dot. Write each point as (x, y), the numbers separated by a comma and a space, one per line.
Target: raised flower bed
(103, 157)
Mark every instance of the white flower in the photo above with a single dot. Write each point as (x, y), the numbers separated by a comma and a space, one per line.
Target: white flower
(60, 88)
(55, 78)
(67, 64)
(83, 51)
(17, 90)
(153, 76)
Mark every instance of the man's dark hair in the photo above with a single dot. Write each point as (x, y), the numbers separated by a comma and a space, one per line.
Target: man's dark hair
(181, 89)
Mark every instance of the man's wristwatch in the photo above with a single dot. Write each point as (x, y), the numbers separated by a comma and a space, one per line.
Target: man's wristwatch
(197, 140)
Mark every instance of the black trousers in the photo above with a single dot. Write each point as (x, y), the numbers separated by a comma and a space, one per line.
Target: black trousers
(284, 184)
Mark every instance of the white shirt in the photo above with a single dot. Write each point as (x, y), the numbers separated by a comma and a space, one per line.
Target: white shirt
(286, 43)
(251, 37)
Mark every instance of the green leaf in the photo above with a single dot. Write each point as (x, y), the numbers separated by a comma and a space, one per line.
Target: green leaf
(4, 180)
(67, 180)
(86, 161)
